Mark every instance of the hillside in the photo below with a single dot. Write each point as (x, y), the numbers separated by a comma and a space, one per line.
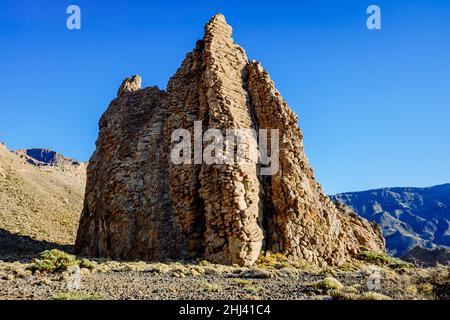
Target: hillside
(39, 198)
(408, 216)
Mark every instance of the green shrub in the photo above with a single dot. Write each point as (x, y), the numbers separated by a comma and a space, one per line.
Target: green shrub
(383, 259)
(203, 263)
(87, 264)
(53, 261)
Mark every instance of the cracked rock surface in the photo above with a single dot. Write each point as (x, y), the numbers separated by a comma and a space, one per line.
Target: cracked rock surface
(140, 205)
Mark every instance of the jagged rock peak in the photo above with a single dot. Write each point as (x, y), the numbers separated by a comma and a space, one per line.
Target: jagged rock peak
(130, 84)
(141, 205)
(218, 27)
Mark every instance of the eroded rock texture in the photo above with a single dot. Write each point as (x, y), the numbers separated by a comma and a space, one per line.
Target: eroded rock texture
(140, 205)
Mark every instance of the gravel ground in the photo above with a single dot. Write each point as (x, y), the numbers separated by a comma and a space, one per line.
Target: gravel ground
(148, 285)
(115, 280)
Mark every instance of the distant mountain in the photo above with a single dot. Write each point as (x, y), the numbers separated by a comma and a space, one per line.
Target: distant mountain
(41, 196)
(45, 157)
(409, 217)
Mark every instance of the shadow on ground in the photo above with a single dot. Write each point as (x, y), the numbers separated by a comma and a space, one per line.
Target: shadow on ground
(15, 247)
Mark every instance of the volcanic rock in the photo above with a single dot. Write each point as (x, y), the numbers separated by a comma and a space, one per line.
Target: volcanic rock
(139, 204)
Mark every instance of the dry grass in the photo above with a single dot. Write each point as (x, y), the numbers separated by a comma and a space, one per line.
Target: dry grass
(43, 203)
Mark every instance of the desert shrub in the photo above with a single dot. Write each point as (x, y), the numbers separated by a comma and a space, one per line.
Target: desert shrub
(53, 261)
(212, 287)
(329, 283)
(87, 264)
(345, 293)
(241, 282)
(373, 296)
(74, 295)
(272, 260)
(203, 263)
(383, 259)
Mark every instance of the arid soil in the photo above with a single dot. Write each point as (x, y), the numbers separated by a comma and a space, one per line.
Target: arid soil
(38, 201)
(201, 280)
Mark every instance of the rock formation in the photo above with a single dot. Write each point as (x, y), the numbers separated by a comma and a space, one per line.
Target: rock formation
(140, 205)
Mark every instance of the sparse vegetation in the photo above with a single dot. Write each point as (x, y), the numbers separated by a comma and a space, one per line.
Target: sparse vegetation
(212, 287)
(203, 263)
(373, 296)
(329, 283)
(268, 260)
(346, 293)
(41, 205)
(53, 261)
(241, 282)
(383, 259)
(231, 282)
(252, 290)
(272, 260)
(87, 264)
(75, 295)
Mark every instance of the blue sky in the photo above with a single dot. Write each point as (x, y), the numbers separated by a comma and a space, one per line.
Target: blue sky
(374, 106)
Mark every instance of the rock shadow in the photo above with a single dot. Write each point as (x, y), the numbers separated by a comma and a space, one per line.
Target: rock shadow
(16, 247)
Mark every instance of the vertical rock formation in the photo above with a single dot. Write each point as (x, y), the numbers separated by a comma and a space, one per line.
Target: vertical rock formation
(139, 204)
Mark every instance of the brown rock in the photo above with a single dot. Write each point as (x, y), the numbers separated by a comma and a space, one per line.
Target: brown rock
(140, 205)
(130, 85)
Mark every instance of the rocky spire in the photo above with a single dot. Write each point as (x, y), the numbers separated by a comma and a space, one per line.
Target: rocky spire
(139, 204)
(130, 85)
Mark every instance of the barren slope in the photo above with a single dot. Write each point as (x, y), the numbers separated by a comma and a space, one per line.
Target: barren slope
(43, 202)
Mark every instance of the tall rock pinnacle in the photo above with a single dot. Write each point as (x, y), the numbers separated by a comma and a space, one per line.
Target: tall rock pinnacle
(139, 204)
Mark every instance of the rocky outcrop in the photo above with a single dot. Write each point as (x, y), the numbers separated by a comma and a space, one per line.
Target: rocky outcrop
(130, 85)
(139, 204)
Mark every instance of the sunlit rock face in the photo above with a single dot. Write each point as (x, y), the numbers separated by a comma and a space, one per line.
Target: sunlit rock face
(140, 205)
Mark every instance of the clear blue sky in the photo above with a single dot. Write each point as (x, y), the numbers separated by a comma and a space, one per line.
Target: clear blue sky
(374, 106)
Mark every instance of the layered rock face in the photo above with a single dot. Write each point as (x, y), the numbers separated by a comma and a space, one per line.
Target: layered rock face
(139, 204)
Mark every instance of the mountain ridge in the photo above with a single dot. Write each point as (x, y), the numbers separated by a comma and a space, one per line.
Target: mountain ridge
(409, 216)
